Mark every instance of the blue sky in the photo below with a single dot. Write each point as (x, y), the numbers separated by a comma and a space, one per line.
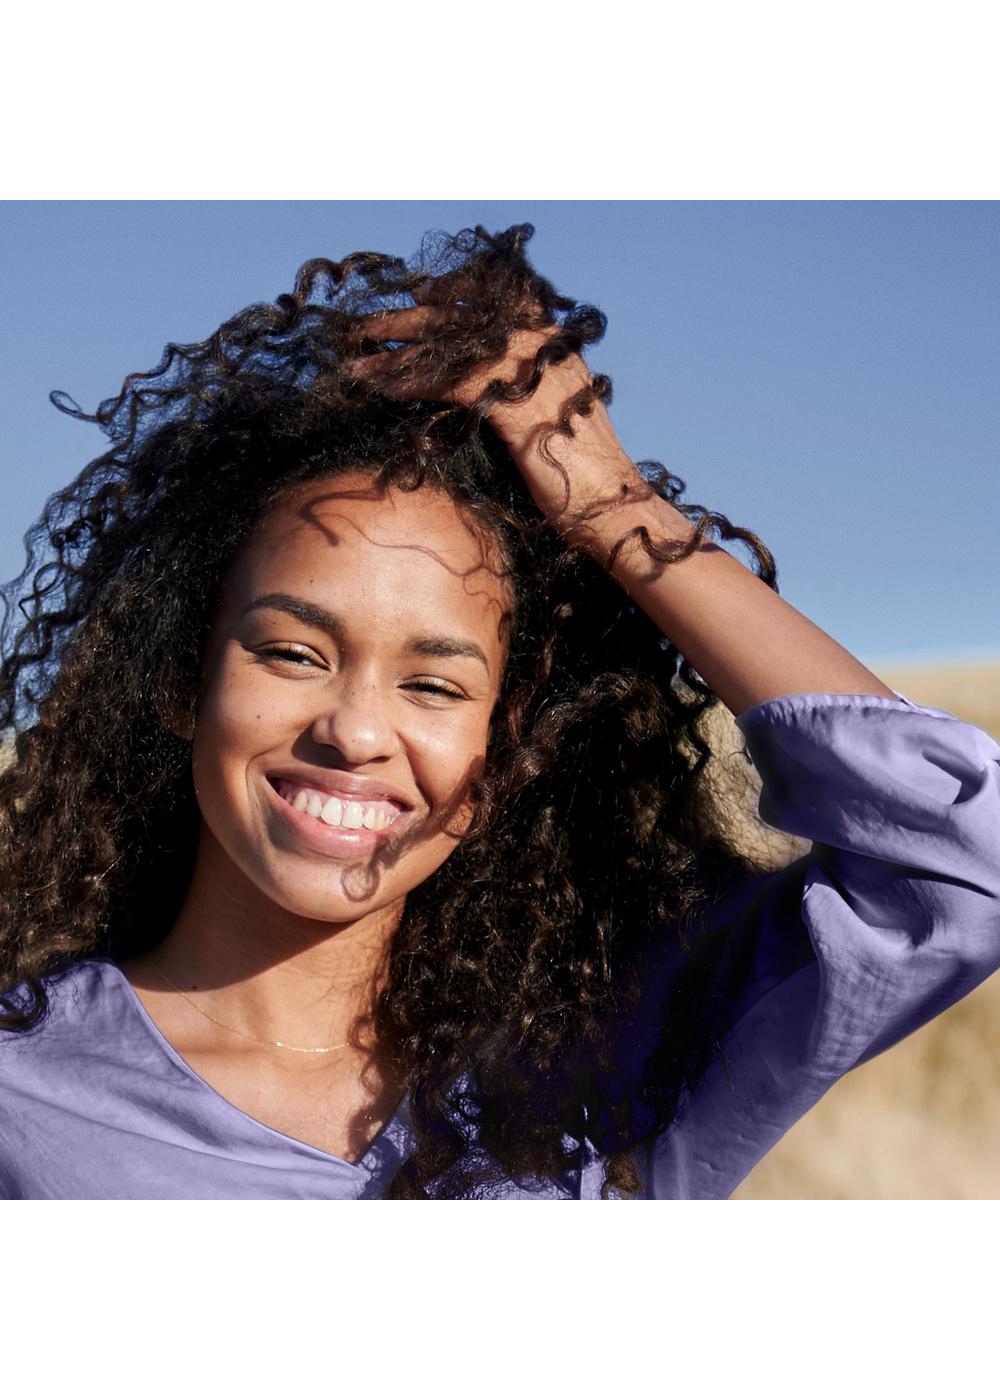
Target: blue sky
(825, 374)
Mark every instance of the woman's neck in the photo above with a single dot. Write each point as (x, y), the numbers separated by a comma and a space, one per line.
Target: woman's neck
(267, 972)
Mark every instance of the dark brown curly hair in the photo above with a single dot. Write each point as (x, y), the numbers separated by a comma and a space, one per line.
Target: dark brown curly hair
(516, 972)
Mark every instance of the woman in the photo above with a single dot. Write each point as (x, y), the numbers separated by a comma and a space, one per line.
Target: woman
(355, 841)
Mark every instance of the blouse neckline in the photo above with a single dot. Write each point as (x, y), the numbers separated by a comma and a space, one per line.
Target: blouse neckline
(399, 1118)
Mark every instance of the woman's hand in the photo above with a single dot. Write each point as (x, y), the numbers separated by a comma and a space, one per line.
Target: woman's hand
(429, 320)
(594, 464)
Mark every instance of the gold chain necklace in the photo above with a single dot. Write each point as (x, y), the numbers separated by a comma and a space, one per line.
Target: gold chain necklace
(300, 1049)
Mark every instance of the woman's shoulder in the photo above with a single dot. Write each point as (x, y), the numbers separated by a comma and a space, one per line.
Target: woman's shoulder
(60, 1071)
(78, 1000)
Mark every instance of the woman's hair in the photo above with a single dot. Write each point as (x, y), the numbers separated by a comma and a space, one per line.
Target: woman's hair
(511, 995)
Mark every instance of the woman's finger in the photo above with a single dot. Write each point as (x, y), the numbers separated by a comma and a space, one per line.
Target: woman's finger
(432, 292)
(381, 363)
(409, 323)
(407, 385)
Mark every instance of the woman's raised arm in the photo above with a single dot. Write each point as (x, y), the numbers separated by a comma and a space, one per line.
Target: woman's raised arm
(745, 641)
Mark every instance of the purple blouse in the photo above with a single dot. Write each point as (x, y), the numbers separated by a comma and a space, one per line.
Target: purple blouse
(893, 915)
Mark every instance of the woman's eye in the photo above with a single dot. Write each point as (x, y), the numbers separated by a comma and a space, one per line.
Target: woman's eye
(286, 653)
(436, 688)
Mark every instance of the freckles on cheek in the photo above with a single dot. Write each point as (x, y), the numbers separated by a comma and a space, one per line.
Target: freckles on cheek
(453, 758)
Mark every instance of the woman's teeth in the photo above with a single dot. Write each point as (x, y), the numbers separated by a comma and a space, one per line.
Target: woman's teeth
(374, 816)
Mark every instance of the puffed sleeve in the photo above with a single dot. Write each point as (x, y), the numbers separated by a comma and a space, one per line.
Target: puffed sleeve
(891, 917)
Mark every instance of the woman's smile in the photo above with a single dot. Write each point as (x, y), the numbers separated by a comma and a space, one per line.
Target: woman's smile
(334, 825)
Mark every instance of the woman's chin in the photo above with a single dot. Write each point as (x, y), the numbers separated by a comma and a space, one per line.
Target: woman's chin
(341, 897)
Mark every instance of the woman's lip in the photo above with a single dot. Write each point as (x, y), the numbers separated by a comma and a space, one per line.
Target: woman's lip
(331, 840)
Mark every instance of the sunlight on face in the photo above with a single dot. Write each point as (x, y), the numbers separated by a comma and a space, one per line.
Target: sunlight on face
(350, 675)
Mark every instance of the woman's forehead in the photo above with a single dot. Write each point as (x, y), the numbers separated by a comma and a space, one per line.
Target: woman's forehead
(385, 513)
(407, 544)
(351, 511)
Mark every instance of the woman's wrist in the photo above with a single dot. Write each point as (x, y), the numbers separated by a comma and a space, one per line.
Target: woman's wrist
(607, 494)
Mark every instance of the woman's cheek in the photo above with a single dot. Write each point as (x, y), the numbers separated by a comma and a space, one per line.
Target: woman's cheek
(453, 750)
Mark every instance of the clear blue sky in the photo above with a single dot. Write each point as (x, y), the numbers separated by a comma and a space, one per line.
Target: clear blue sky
(825, 374)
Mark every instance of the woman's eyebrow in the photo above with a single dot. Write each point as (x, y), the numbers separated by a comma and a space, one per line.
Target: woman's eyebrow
(315, 616)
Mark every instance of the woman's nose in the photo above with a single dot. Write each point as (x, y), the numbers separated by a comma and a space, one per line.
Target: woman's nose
(356, 721)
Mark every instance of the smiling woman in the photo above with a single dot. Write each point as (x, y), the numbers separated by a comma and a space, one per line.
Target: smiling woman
(331, 771)
(356, 841)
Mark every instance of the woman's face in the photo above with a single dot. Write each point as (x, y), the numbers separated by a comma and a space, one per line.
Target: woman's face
(350, 674)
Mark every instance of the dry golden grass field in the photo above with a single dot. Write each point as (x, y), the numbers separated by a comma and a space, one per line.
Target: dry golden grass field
(923, 1120)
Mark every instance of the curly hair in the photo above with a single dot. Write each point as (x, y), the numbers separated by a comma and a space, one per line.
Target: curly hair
(517, 967)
